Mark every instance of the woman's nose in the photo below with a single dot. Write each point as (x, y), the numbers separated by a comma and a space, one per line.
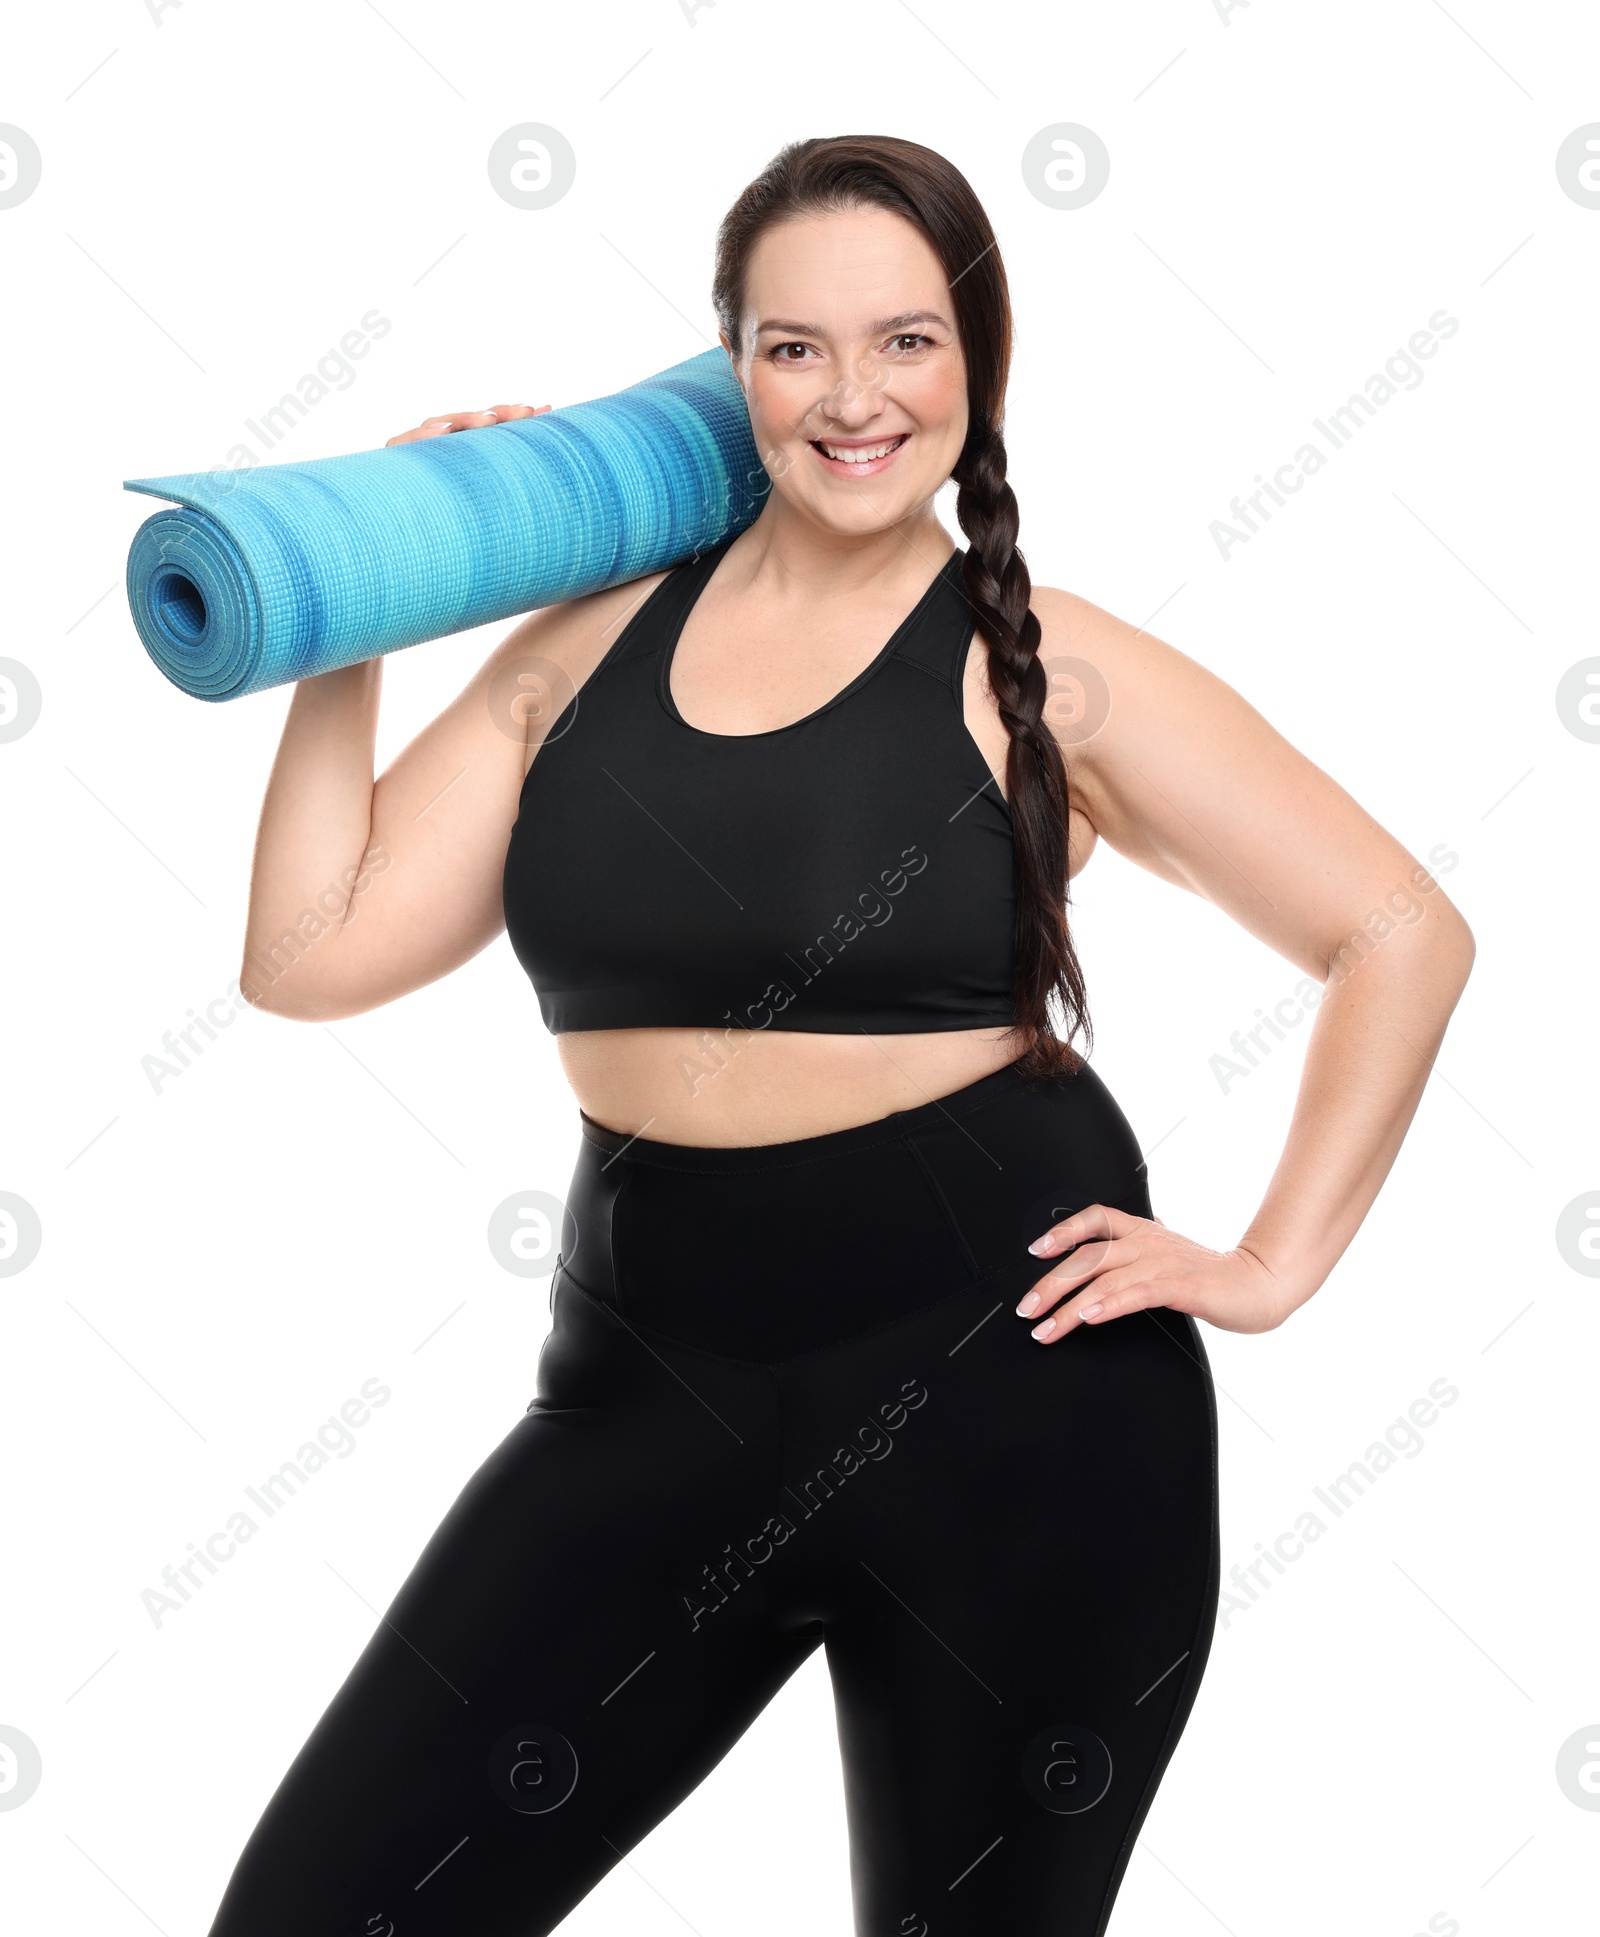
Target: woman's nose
(852, 400)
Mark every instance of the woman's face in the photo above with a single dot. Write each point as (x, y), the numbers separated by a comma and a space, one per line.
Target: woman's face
(851, 367)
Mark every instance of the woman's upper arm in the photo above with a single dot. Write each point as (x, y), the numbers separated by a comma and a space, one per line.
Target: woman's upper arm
(1185, 777)
(443, 809)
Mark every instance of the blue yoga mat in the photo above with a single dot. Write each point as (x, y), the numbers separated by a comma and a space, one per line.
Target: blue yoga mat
(271, 574)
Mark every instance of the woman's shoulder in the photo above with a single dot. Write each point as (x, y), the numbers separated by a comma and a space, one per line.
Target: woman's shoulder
(1117, 693)
(1074, 628)
(1065, 616)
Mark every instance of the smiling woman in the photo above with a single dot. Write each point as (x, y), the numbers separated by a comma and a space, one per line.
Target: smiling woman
(796, 815)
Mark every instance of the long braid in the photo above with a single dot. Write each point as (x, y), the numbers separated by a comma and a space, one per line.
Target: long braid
(998, 588)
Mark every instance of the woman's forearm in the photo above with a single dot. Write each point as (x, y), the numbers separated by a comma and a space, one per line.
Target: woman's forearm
(1378, 1028)
(316, 821)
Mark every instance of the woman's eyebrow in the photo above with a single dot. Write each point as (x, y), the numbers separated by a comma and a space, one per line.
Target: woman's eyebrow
(903, 321)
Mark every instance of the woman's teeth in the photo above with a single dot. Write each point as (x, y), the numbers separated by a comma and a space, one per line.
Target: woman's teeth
(860, 453)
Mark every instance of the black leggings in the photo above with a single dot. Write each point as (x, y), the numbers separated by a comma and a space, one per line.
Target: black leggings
(785, 1402)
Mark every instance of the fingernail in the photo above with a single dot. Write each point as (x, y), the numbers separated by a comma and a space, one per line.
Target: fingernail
(1029, 1305)
(1091, 1311)
(1039, 1246)
(1044, 1330)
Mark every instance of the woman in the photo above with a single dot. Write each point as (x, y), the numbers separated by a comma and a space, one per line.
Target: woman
(789, 876)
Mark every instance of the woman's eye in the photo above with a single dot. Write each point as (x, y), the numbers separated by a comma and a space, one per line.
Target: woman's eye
(780, 356)
(911, 338)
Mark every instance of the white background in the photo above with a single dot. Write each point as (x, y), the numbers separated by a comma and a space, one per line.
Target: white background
(1293, 192)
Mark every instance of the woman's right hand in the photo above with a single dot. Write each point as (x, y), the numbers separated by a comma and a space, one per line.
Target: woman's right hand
(467, 420)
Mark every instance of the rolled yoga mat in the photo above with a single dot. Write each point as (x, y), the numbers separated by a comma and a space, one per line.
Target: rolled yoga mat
(271, 574)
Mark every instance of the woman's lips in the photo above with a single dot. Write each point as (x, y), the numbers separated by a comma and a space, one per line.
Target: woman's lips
(857, 467)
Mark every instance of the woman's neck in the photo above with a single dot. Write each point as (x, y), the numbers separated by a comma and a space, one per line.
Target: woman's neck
(785, 554)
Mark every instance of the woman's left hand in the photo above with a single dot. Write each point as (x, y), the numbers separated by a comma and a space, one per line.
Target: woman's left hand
(1121, 1264)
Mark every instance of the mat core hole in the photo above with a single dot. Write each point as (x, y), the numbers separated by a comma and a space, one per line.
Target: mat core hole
(181, 606)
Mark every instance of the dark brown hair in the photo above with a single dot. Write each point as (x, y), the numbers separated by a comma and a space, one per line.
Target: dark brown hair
(879, 171)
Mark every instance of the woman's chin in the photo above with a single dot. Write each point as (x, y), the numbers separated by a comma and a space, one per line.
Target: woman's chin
(852, 516)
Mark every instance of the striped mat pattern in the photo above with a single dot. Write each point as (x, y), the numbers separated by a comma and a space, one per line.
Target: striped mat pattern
(272, 574)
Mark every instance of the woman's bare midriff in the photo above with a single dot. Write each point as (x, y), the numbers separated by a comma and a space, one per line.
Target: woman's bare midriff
(725, 1089)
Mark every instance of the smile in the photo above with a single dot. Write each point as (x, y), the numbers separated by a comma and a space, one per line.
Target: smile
(857, 457)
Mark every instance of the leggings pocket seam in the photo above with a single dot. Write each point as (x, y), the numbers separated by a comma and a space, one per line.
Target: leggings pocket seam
(936, 1189)
(612, 1208)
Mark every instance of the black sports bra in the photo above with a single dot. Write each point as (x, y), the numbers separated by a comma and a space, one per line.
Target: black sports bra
(853, 870)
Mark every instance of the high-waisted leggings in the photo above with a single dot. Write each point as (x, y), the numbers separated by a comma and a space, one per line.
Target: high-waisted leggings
(786, 1403)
